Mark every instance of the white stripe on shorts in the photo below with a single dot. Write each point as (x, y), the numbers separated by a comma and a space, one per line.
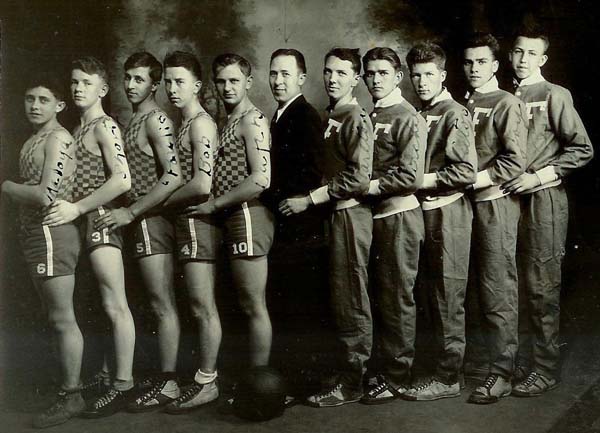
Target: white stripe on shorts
(192, 227)
(146, 237)
(105, 230)
(49, 251)
(248, 221)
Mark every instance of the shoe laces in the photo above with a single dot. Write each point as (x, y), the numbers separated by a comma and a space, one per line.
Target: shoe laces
(424, 385)
(194, 389)
(107, 398)
(530, 379)
(153, 392)
(330, 392)
(490, 381)
(381, 385)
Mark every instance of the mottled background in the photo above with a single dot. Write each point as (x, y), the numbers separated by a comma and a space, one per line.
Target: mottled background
(39, 34)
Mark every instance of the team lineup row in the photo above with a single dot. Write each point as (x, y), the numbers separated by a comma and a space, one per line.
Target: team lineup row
(448, 182)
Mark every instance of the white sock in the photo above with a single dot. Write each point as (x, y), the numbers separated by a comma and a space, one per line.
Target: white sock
(204, 378)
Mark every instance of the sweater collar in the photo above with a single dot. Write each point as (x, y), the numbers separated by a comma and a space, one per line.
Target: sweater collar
(489, 87)
(443, 96)
(395, 97)
(534, 78)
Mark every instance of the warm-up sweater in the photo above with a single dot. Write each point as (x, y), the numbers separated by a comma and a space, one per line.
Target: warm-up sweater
(500, 125)
(347, 157)
(557, 142)
(450, 159)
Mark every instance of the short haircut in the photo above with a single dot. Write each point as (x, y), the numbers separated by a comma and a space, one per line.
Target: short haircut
(426, 52)
(480, 39)
(227, 59)
(49, 81)
(91, 65)
(144, 59)
(351, 55)
(295, 54)
(533, 30)
(382, 53)
(183, 59)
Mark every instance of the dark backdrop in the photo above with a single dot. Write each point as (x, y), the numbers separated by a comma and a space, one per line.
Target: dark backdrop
(38, 35)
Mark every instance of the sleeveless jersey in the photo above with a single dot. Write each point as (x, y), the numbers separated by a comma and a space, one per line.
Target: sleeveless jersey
(186, 155)
(144, 170)
(31, 174)
(90, 172)
(231, 164)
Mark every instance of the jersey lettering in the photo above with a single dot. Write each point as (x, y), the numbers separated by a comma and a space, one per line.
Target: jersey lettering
(431, 120)
(477, 112)
(332, 124)
(541, 105)
(385, 126)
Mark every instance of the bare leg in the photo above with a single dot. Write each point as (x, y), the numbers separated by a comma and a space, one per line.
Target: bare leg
(107, 264)
(57, 297)
(157, 274)
(200, 282)
(250, 279)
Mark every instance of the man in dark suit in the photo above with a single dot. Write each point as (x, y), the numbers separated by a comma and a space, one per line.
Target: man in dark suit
(298, 274)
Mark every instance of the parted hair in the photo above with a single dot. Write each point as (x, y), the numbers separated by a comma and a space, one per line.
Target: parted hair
(349, 54)
(224, 60)
(382, 53)
(426, 52)
(49, 81)
(91, 65)
(183, 59)
(144, 59)
(294, 53)
(480, 39)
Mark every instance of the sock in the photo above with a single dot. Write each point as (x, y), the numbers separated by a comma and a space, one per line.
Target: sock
(123, 385)
(204, 378)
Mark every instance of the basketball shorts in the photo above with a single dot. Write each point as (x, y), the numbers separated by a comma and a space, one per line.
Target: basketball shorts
(151, 235)
(198, 238)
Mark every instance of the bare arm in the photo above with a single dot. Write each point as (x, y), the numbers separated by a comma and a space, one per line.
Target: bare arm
(203, 137)
(59, 157)
(254, 130)
(109, 140)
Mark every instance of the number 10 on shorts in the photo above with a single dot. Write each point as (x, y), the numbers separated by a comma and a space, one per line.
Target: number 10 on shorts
(240, 248)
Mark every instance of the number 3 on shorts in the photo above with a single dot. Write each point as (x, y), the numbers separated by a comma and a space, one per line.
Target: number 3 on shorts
(95, 236)
(240, 248)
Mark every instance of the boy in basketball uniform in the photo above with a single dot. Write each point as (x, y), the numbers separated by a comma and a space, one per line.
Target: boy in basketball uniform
(47, 164)
(101, 177)
(197, 237)
(155, 173)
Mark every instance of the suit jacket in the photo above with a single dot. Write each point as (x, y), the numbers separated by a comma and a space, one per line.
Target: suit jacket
(297, 140)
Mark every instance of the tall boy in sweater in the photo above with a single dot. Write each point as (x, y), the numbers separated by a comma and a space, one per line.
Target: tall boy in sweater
(500, 140)
(346, 164)
(557, 144)
(450, 166)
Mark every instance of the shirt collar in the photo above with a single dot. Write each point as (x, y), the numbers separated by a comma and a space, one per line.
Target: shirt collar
(287, 104)
(395, 97)
(534, 78)
(489, 87)
(331, 108)
(443, 96)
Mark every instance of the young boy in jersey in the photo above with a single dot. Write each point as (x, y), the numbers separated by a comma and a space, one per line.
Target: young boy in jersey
(155, 174)
(101, 177)
(398, 164)
(346, 163)
(242, 171)
(557, 144)
(197, 236)
(450, 166)
(500, 140)
(47, 163)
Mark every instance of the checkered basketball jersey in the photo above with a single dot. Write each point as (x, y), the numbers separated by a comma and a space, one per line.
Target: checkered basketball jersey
(143, 168)
(186, 154)
(31, 174)
(90, 171)
(231, 165)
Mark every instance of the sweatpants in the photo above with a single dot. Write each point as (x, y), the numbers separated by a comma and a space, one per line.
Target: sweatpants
(541, 248)
(495, 226)
(351, 234)
(445, 271)
(397, 241)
